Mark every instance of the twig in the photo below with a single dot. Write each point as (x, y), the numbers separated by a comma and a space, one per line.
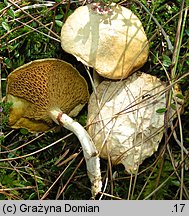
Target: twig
(33, 18)
(1, 115)
(176, 52)
(62, 173)
(17, 188)
(105, 186)
(34, 29)
(170, 46)
(73, 173)
(177, 174)
(164, 182)
(35, 6)
(19, 147)
(33, 153)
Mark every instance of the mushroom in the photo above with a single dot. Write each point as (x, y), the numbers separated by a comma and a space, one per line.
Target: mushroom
(50, 90)
(122, 119)
(111, 39)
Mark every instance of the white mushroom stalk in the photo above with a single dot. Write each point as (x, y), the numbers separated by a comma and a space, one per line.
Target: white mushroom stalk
(89, 150)
(50, 90)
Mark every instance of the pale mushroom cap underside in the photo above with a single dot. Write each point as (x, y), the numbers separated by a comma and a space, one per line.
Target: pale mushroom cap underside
(114, 44)
(122, 119)
(40, 86)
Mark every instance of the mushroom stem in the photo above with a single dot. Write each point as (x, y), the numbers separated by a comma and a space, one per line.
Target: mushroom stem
(89, 150)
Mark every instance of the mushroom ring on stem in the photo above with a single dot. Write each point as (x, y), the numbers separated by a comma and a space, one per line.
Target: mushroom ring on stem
(50, 90)
(111, 39)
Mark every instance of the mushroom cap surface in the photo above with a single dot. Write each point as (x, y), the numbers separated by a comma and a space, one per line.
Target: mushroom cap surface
(114, 43)
(41, 86)
(122, 119)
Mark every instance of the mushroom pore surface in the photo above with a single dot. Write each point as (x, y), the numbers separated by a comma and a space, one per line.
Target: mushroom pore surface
(41, 86)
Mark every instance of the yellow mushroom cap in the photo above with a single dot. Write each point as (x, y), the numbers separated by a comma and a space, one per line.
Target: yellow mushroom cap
(41, 86)
(114, 43)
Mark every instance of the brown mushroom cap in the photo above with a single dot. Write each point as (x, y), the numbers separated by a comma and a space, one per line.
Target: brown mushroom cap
(40, 86)
(114, 44)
